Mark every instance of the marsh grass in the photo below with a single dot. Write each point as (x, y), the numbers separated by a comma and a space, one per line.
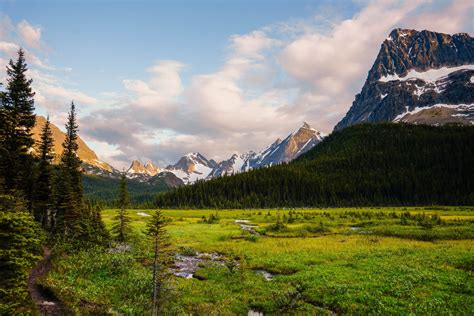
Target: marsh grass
(396, 261)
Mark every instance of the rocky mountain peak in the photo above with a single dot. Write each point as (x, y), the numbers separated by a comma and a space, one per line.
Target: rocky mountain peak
(91, 161)
(413, 71)
(136, 167)
(407, 49)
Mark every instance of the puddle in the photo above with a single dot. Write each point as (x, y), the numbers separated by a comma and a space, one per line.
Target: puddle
(143, 214)
(248, 228)
(355, 228)
(267, 275)
(241, 221)
(186, 266)
(244, 226)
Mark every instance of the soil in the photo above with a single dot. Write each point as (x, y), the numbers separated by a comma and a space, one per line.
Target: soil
(45, 300)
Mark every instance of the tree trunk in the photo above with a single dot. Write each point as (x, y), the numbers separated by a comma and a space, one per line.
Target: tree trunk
(154, 309)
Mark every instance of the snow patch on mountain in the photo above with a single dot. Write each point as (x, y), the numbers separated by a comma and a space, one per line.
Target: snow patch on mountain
(427, 76)
(457, 107)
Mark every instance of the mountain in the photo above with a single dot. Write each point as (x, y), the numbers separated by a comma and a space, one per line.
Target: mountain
(194, 166)
(235, 164)
(418, 77)
(280, 151)
(362, 165)
(91, 162)
(296, 144)
(142, 172)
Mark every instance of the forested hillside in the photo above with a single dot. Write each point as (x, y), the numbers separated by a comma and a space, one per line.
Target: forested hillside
(381, 164)
(104, 190)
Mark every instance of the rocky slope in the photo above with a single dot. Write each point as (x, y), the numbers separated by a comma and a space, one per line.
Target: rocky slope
(418, 77)
(280, 151)
(192, 167)
(91, 162)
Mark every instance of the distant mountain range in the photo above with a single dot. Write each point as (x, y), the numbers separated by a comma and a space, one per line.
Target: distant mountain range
(194, 166)
(418, 77)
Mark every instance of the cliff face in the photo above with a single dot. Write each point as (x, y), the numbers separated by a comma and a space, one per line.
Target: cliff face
(415, 71)
(87, 155)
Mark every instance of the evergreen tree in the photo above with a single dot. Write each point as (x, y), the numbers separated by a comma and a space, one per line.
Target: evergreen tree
(69, 183)
(43, 190)
(121, 226)
(20, 248)
(156, 230)
(17, 118)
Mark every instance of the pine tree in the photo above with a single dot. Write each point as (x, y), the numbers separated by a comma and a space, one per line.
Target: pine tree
(121, 226)
(43, 186)
(69, 183)
(156, 230)
(20, 247)
(17, 119)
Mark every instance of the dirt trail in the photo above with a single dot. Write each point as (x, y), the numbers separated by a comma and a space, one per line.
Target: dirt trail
(45, 300)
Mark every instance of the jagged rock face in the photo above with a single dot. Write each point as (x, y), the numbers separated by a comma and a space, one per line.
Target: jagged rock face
(297, 143)
(416, 70)
(235, 164)
(192, 167)
(91, 162)
(169, 178)
(151, 169)
(190, 163)
(137, 168)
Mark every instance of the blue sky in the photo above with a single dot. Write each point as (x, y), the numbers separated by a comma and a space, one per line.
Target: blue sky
(105, 41)
(154, 80)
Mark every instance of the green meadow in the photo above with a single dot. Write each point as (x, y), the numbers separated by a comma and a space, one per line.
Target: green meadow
(416, 260)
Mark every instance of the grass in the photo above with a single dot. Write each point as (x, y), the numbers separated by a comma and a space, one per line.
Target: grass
(348, 261)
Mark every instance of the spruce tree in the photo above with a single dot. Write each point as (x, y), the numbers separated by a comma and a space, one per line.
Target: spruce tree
(121, 227)
(17, 119)
(43, 187)
(156, 230)
(69, 183)
(20, 247)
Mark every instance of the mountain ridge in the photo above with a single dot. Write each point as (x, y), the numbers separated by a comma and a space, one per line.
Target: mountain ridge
(194, 166)
(398, 81)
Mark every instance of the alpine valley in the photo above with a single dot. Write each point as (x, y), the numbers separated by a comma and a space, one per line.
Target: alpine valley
(376, 217)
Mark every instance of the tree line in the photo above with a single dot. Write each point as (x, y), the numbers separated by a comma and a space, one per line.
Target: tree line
(42, 203)
(364, 165)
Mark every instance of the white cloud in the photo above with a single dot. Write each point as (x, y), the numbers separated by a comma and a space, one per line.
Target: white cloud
(31, 35)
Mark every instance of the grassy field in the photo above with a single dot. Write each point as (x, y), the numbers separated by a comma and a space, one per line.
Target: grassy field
(322, 261)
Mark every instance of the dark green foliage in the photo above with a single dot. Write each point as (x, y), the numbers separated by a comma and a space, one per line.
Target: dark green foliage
(20, 248)
(16, 121)
(75, 222)
(42, 207)
(121, 227)
(377, 164)
(156, 230)
(105, 191)
(69, 181)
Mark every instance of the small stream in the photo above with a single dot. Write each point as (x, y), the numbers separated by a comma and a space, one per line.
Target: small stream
(186, 266)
